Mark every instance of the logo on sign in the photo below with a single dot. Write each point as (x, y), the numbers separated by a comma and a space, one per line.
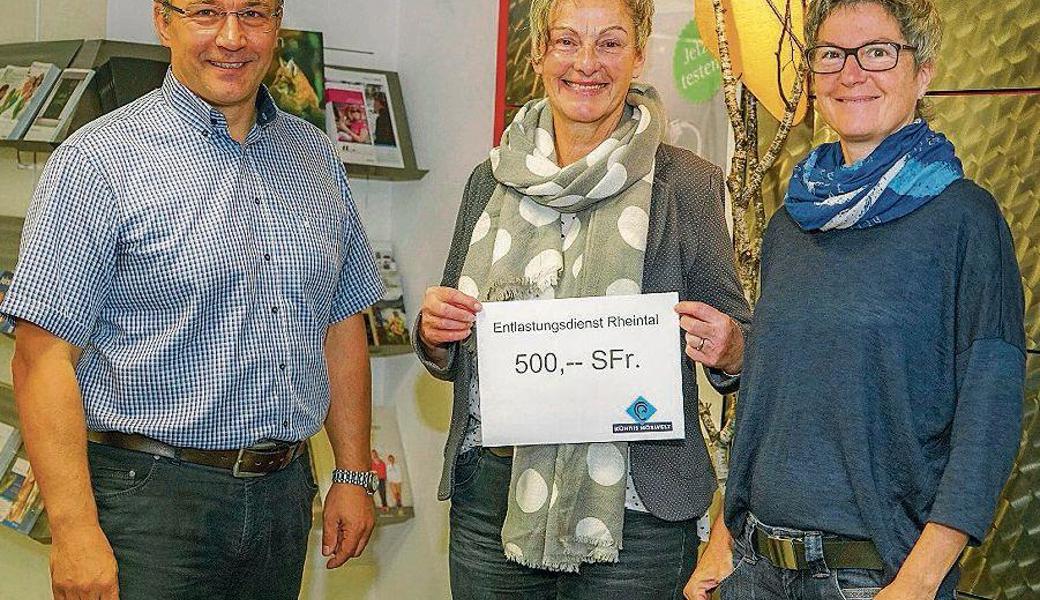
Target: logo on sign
(641, 410)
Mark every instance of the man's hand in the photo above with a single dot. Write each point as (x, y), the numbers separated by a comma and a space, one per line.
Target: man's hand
(348, 512)
(712, 337)
(447, 316)
(348, 520)
(82, 565)
(714, 565)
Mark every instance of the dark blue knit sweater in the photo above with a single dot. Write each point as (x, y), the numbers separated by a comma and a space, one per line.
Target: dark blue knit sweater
(883, 382)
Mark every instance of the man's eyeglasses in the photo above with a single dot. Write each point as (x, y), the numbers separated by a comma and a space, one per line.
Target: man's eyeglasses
(875, 56)
(208, 18)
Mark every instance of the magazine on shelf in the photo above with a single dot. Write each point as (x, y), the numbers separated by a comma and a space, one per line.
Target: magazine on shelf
(360, 117)
(11, 79)
(10, 440)
(52, 124)
(6, 324)
(20, 502)
(393, 499)
(389, 322)
(22, 92)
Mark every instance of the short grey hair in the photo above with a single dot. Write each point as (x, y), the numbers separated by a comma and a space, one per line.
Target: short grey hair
(918, 20)
(540, 21)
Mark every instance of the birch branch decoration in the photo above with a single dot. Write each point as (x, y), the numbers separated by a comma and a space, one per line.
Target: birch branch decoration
(744, 184)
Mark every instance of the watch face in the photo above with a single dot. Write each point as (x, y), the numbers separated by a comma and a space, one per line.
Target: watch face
(373, 482)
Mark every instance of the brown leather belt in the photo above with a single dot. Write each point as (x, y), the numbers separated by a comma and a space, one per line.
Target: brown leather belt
(255, 461)
(787, 553)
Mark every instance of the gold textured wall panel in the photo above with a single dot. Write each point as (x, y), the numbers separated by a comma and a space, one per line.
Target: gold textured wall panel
(988, 45)
(802, 139)
(998, 140)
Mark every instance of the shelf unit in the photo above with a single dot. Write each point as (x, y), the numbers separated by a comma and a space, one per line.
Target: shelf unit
(86, 54)
(41, 531)
(389, 350)
(384, 173)
(95, 54)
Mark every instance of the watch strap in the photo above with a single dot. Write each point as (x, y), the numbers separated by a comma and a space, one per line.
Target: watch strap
(362, 479)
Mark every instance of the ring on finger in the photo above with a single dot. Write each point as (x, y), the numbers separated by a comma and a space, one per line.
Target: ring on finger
(701, 345)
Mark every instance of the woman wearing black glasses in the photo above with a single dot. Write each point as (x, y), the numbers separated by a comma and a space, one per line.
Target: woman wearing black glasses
(882, 390)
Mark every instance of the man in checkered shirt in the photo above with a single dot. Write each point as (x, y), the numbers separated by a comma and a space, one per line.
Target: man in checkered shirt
(188, 294)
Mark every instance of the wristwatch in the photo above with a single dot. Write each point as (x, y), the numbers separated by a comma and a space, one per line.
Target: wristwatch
(364, 479)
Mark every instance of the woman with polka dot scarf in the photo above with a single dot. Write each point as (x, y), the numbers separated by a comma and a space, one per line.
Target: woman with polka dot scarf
(582, 198)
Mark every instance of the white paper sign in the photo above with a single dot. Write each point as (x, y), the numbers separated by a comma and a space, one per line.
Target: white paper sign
(580, 370)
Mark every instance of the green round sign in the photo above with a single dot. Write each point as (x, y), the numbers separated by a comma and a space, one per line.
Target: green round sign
(698, 76)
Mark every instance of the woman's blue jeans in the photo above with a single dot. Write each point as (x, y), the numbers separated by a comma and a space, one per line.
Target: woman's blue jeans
(655, 563)
(755, 578)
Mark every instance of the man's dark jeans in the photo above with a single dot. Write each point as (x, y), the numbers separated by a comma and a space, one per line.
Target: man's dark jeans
(185, 531)
(655, 562)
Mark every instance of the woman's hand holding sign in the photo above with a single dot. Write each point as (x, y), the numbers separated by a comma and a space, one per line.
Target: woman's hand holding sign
(447, 316)
(712, 337)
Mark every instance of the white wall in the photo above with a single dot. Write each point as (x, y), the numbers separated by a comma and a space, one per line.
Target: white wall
(34, 20)
(445, 55)
(19, 172)
(447, 65)
(446, 61)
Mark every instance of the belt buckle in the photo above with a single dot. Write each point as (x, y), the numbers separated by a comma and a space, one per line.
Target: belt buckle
(238, 473)
(290, 455)
(784, 551)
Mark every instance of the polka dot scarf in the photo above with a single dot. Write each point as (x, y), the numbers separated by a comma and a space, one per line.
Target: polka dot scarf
(566, 502)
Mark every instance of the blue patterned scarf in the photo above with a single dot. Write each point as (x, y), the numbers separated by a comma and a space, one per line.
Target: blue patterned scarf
(909, 168)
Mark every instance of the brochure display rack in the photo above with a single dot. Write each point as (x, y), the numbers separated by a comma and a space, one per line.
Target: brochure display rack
(122, 71)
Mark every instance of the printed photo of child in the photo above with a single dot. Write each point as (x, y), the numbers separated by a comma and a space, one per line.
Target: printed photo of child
(351, 116)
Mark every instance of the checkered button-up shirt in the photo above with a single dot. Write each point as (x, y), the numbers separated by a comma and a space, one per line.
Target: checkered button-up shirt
(198, 274)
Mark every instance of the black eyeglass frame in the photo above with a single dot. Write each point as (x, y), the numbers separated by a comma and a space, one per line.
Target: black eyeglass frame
(854, 52)
(223, 13)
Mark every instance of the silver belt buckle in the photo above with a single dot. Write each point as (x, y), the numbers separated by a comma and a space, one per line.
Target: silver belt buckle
(240, 474)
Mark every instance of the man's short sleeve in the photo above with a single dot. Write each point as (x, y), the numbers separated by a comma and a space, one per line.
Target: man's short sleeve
(68, 249)
(359, 284)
